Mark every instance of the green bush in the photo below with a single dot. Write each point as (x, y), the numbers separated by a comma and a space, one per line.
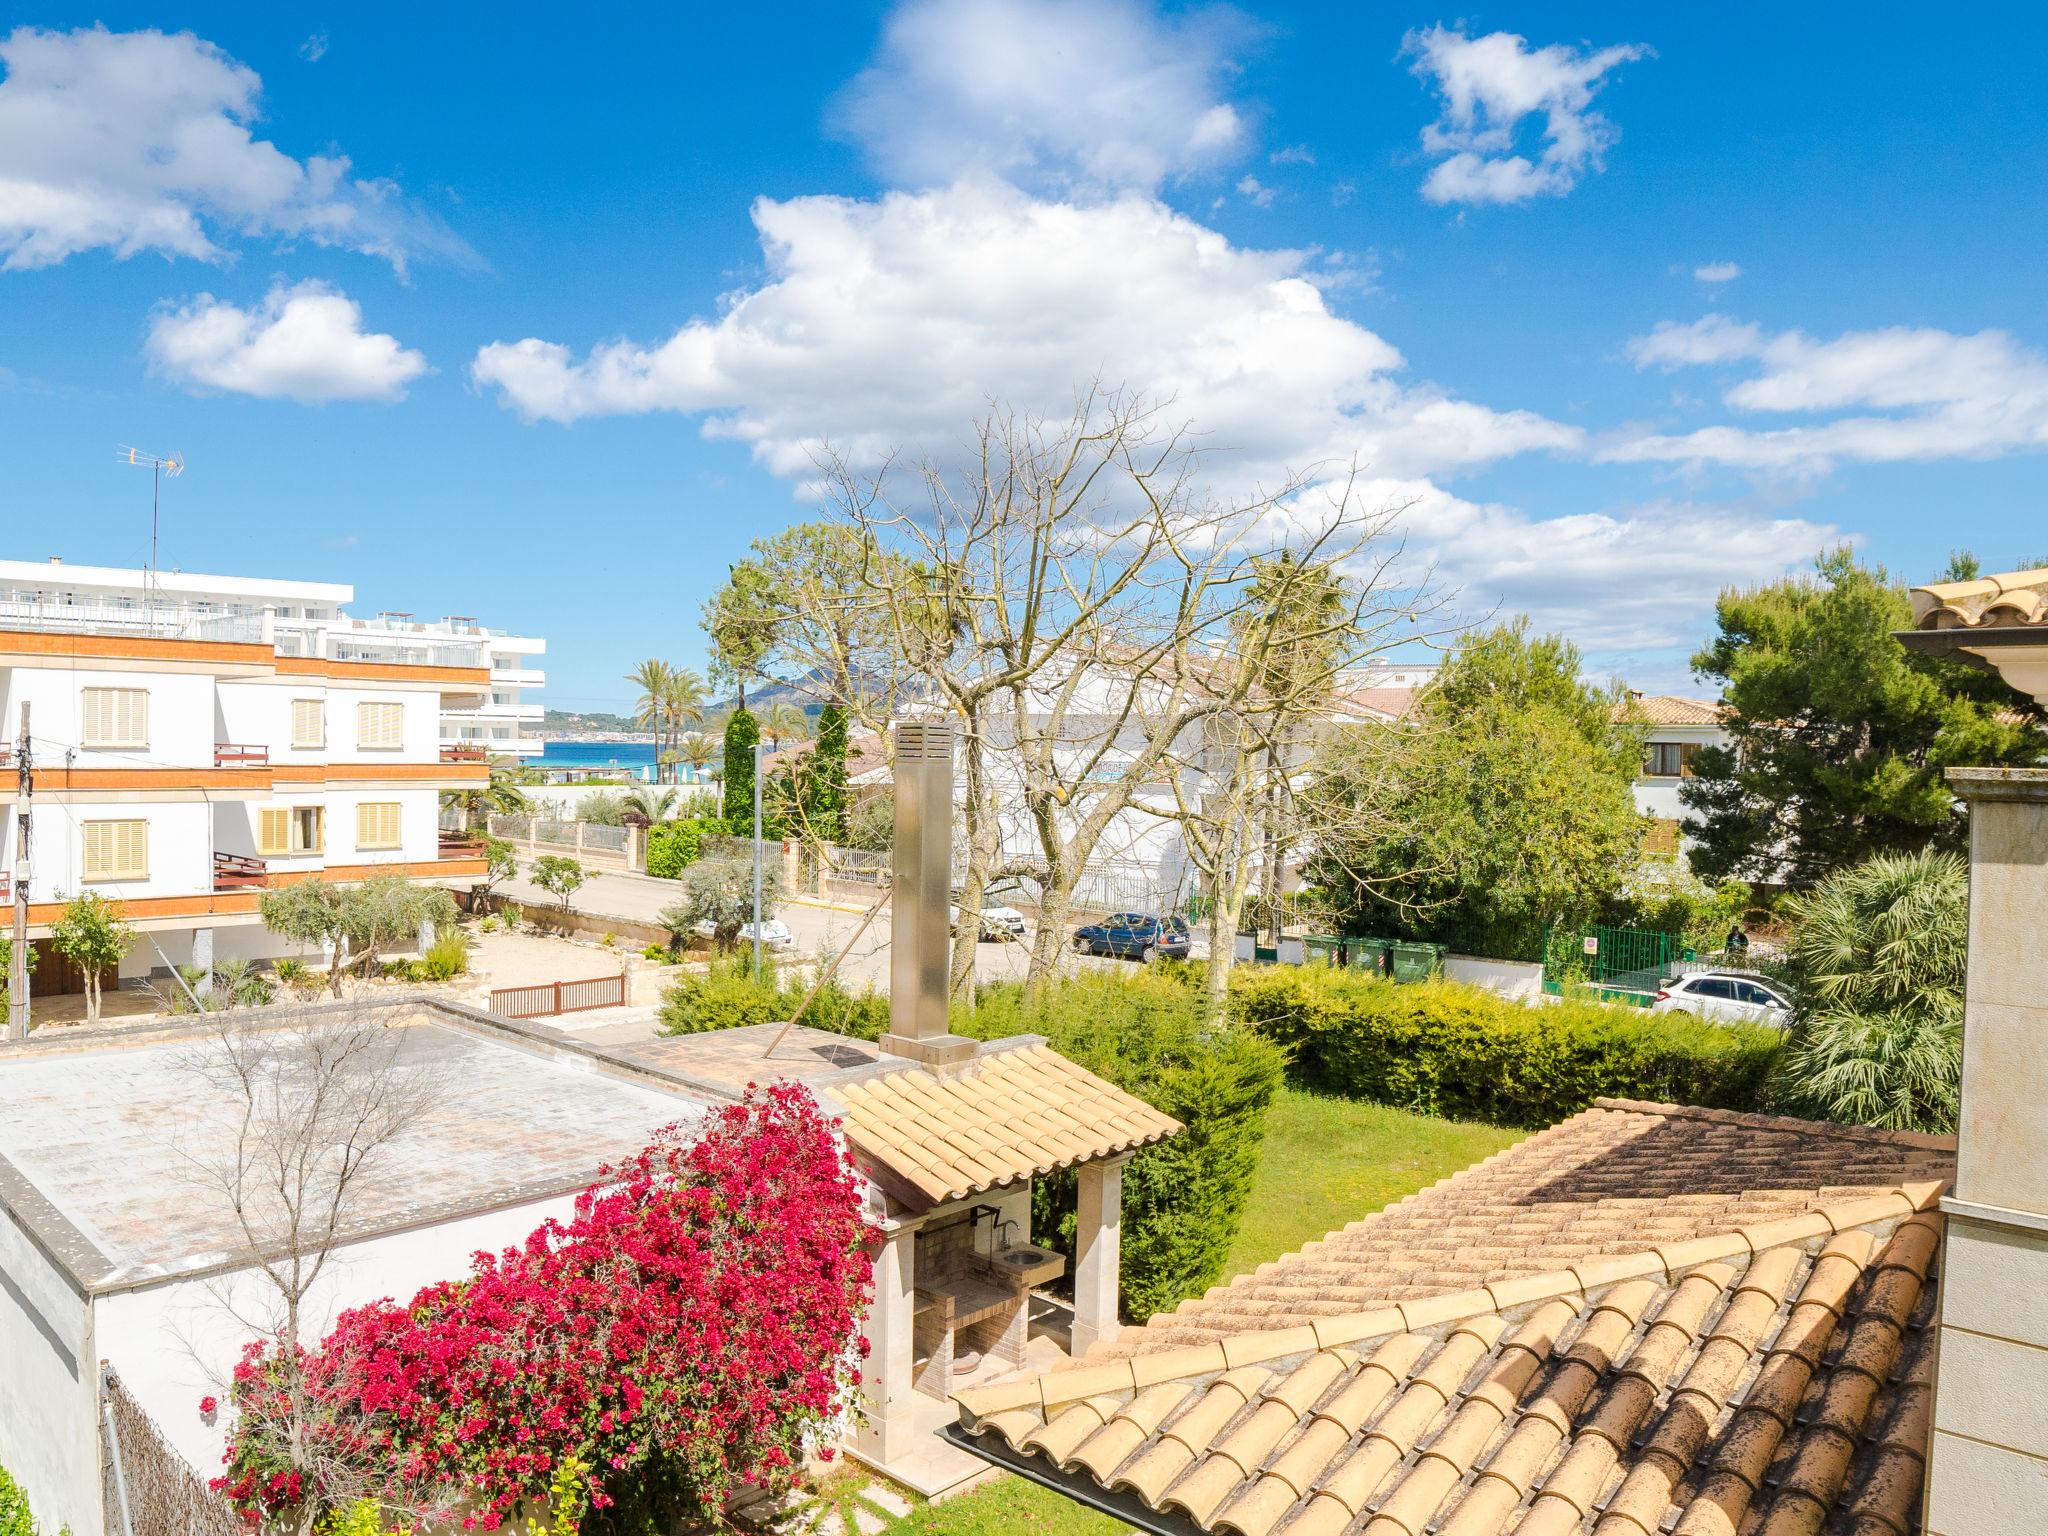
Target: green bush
(446, 958)
(672, 846)
(15, 1516)
(728, 995)
(1442, 1048)
(1183, 1198)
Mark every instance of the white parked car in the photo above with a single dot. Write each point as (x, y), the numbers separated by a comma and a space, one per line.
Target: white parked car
(775, 933)
(997, 923)
(1727, 996)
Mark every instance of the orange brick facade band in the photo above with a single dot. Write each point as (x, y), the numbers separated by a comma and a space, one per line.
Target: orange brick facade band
(209, 655)
(241, 903)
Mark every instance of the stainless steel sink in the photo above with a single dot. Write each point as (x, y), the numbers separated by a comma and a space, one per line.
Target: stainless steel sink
(1026, 1265)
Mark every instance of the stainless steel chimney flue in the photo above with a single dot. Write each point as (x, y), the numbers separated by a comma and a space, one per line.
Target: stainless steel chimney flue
(920, 944)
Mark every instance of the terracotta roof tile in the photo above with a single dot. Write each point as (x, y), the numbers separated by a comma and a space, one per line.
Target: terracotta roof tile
(2008, 600)
(1010, 1114)
(1785, 1391)
(1670, 709)
(1623, 1177)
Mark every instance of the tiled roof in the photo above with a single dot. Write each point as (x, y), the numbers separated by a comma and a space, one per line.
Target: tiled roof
(1378, 703)
(1670, 709)
(1010, 1114)
(1768, 1381)
(2009, 600)
(1621, 1174)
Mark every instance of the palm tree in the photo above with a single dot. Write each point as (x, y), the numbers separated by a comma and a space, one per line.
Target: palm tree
(654, 804)
(784, 719)
(501, 796)
(696, 749)
(1880, 951)
(651, 677)
(683, 698)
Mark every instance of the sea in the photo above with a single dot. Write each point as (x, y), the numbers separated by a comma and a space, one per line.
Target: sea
(635, 758)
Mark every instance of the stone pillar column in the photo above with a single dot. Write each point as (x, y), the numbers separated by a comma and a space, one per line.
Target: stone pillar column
(1989, 1465)
(1098, 1250)
(202, 960)
(888, 1430)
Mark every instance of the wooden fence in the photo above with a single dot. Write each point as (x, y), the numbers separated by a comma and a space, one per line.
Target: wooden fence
(545, 999)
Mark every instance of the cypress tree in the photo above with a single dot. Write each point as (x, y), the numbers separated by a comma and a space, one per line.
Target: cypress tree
(829, 812)
(741, 732)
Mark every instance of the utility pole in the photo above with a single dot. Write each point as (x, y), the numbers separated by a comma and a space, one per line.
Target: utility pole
(17, 971)
(757, 860)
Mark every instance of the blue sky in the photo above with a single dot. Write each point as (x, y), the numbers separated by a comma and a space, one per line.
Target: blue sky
(1622, 306)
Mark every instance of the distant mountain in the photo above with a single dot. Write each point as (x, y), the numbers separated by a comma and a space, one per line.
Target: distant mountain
(555, 720)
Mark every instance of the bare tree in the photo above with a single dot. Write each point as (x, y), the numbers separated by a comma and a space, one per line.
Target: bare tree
(304, 1118)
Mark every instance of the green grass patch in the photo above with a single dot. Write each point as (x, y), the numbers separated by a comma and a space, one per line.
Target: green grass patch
(1009, 1506)
(1326, 1162)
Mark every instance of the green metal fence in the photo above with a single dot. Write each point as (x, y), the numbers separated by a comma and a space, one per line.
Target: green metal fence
(1624, 965)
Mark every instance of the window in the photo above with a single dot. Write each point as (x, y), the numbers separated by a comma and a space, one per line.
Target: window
(1714, 987)
(113, 717)
(1669, 759)
(116, 850)
(377, 824)
(309, 722)
(284, 830)
(380, 726)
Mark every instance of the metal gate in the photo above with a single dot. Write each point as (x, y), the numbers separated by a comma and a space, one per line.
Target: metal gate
(1624, 964)
(544, 999)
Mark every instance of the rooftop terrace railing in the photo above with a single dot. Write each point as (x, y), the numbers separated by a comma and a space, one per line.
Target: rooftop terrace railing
(170, 621)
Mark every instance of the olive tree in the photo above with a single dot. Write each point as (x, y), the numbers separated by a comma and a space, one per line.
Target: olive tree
(93, 936)
(720, 891)
(354, 923)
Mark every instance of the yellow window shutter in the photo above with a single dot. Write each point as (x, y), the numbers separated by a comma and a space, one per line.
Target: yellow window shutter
(116, 850)
(309, 723)
(273, 829)
(377, 824)
(380, 725)
(113, 717)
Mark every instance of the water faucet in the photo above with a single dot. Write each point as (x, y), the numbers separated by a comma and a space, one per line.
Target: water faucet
(1011, 1223)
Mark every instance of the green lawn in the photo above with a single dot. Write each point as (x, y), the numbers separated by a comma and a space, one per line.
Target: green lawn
(1325, 1162)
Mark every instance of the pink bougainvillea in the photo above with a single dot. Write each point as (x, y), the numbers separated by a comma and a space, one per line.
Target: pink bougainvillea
(690, 1329)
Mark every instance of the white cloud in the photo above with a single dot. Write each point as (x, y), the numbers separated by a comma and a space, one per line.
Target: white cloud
(892, 323)
(1950, 395)
(1293, 154)
(139, 141)
(1489, 85)
(1713, 272)
(1255, 192)
(314, 48)
(1638, 578)
(305, 343)
(1070, 94)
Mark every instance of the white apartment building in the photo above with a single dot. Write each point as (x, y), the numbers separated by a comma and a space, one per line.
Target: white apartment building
(182, 776)
(299, 618)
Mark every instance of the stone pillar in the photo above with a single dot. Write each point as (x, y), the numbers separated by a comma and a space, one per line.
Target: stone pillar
(1098, 1250)
(1989, 1466)
(888, 1430)
(202, 960)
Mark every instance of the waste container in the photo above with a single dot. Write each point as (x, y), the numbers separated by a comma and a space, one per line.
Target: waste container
(1323, 948)
(1370, 954)
(1417, 962)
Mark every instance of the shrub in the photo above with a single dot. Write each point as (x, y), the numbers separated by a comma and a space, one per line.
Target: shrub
(446, 958)
(15, 1517)
(728, 995)
(1182, 1199)
(1442, 1048)
(559, 875)
(691, 1330)
(603, 809)
(672, 846)
(720, 891)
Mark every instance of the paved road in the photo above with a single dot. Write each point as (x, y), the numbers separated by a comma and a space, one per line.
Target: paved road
(817, 930)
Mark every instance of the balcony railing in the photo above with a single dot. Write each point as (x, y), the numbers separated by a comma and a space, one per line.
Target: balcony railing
(168, 620)
(227, 754)
(238, 872)
(463, 755)
(461, 845)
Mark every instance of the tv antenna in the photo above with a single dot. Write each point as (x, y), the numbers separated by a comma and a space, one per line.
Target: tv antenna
(159, 467)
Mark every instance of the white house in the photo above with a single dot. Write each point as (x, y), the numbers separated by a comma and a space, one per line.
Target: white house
(182, 776)
(1679, 728)
(302, 619)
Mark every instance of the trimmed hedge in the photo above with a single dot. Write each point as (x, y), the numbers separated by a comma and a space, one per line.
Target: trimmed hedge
(1442, 1048)
(1183, 1198)
(673, 846)
(728, 995)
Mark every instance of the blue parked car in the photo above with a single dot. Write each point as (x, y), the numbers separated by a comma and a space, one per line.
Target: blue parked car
(1135, 935)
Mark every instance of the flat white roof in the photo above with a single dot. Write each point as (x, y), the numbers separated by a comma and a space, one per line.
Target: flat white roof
(62, 575)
